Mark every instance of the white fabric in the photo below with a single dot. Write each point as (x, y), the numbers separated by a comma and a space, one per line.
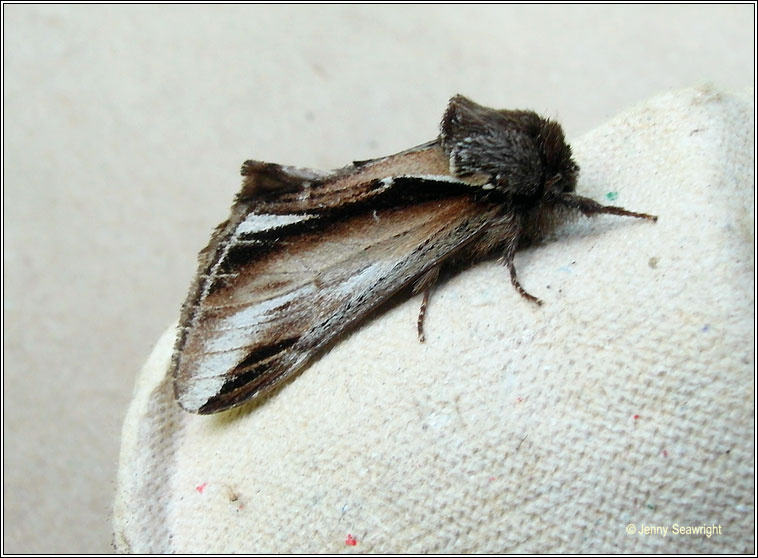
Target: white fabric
(626, 399)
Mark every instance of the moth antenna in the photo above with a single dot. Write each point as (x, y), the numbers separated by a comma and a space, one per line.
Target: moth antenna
(590, 207)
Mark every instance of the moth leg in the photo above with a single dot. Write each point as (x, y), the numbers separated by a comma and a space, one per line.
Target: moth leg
(590, 207)
(425, 283)
(508, 261)
(510, 229)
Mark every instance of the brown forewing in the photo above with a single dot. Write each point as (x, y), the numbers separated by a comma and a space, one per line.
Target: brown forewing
(295, 267)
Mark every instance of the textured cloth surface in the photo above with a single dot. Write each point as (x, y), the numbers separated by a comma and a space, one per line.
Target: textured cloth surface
(625, 402)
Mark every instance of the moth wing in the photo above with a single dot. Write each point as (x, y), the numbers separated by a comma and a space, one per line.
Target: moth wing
(286, 284)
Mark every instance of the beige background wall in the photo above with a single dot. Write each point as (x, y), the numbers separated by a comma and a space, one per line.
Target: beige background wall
(124, 130)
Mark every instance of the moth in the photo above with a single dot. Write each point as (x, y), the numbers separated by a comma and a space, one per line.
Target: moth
(307, 254)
